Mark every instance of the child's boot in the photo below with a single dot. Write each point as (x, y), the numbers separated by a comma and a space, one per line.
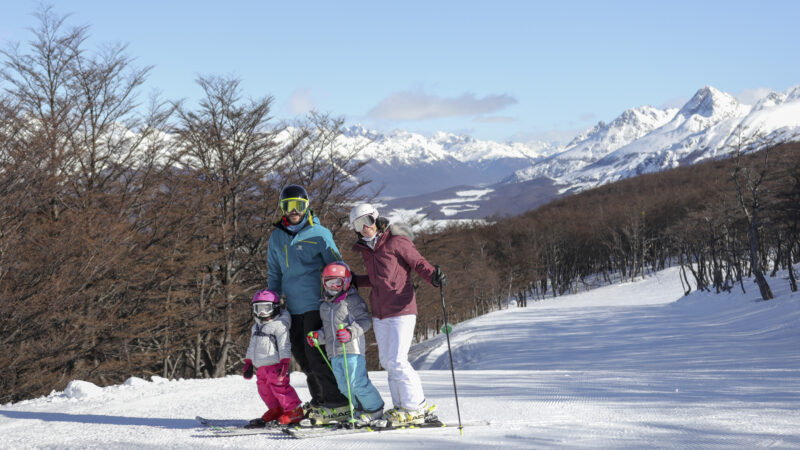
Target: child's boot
(293, 416)
(271, 415)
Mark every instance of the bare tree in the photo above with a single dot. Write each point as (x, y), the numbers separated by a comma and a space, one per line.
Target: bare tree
(326, 166)
(77, 158)
(229, 143)
(748, 180)
(42, 81)
(787, 210)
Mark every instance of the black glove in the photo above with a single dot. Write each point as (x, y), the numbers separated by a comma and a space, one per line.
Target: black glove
(439, 278)
(247, 370)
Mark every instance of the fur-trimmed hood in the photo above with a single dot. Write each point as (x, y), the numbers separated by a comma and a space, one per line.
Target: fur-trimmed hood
(396, 229)
(401, 229)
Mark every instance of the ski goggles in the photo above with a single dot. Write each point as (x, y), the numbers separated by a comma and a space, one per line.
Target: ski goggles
(333, 284)
(264, 308)
(363, 221)
(294, 204)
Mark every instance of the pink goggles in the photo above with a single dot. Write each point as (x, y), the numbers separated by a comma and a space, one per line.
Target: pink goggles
(333, 283)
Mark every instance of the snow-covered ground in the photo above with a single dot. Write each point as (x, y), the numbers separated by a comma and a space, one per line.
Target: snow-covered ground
(626, 366)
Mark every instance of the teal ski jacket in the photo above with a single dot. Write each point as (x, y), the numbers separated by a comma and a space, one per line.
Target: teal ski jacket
(295, 262)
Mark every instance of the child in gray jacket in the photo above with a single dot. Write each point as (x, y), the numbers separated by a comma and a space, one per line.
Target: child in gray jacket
(345, 319)
(268, 355)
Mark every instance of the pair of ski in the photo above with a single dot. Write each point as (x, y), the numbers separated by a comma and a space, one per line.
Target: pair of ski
(221, 428)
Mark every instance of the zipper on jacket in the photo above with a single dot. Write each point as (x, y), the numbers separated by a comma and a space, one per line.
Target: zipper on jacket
(286, 252)
(375, 271)
(333, 329)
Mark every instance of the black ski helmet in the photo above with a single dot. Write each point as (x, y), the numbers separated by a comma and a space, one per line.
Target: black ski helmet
(293, 198)
(294, 191)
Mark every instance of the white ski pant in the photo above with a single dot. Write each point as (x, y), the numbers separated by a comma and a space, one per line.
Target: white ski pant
(394, 336)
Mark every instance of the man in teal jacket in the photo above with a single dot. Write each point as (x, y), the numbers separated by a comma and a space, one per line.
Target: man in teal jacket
(299, 248)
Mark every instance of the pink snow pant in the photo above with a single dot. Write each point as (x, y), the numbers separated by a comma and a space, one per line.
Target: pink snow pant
(276, 393)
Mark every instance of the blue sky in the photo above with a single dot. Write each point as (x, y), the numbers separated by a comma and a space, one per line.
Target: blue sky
(500, 70)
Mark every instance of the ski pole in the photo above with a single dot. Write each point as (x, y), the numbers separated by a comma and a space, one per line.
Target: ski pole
(347, 377)
(450, 352)
(316, 344)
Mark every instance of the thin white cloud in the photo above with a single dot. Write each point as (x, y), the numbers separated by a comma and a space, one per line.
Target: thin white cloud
(300, 101)
(752, 96)
(420, 106)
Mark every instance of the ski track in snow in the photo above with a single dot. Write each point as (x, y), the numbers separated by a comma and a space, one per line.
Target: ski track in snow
(634, 365)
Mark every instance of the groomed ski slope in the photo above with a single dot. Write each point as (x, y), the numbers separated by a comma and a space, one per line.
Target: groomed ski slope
(625, 366)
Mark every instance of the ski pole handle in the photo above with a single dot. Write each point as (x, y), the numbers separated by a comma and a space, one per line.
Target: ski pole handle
(347, 377)
(343, 334)
(316, 344)
(311, 335)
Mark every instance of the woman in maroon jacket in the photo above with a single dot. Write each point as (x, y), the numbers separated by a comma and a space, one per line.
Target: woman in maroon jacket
(390, 256)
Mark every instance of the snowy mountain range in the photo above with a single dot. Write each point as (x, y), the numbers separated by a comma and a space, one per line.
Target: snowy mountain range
(403, 163)
(457, 177)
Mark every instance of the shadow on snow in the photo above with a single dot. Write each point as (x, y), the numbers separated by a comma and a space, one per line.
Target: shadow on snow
(101, 419)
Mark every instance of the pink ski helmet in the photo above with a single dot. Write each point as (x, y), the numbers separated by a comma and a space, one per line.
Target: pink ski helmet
(266, 296)
(266, 305)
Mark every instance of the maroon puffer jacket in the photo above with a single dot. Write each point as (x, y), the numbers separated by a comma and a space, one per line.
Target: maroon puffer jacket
(389, 272)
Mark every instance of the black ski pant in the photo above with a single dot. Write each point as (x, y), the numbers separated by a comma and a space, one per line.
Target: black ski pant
(320, 379)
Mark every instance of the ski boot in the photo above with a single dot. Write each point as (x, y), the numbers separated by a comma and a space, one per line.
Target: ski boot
(269, 417)
(430, 413)
(371, 419)
(293, 416)
(399, 416)
(325, 415)
(309, 406)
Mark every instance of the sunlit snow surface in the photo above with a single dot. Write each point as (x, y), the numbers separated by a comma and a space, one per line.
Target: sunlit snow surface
(464, 201)
(625, 366)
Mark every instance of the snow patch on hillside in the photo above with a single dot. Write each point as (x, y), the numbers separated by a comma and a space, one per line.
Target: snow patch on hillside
(645, 140)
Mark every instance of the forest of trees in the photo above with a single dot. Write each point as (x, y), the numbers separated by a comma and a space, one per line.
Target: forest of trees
(720, 221)
(133, 231)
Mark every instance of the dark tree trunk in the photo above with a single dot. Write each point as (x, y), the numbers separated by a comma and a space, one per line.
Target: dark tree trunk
(755, 261)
